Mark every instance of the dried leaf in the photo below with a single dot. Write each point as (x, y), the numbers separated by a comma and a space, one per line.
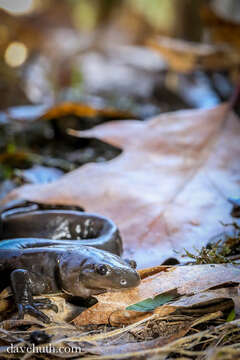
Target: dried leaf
(81, 110)
(169, 188)
(222, 30)
(137, 346)
(187, 280)
(184, 56)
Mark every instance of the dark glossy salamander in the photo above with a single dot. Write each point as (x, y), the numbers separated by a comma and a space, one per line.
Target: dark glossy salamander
(44, 251)
(65, 227)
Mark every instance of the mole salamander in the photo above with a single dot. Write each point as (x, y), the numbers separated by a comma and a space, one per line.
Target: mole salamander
(47, 251)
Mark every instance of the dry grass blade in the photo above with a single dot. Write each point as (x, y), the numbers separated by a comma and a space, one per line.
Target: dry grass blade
(187, 345)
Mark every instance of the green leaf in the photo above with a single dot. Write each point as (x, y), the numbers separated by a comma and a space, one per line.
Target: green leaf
(231, 316)
(151, 304)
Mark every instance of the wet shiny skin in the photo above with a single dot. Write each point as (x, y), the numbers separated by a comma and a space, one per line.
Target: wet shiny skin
(73, 271)
(77, 267)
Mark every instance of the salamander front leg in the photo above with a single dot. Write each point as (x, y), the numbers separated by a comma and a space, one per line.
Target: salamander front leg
(21, 286)
(131, 263)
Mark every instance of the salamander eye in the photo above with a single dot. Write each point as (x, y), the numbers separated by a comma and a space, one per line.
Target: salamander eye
(102, 269)
(123, 282)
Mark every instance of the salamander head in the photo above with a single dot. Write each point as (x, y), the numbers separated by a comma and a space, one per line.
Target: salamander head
(87, 271)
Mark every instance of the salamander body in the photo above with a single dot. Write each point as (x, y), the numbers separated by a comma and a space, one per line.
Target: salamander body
(46, 251)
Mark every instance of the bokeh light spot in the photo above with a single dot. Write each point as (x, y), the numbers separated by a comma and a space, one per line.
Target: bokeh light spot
(17, 7)
(16, 54)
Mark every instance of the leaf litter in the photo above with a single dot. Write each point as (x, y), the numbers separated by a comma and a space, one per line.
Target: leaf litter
(208, 296)
(168, 189)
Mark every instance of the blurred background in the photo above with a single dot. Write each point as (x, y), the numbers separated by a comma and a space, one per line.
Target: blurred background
(120, 50)
(77, 63)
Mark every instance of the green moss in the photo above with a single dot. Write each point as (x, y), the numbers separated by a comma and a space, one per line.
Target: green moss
(225, 250)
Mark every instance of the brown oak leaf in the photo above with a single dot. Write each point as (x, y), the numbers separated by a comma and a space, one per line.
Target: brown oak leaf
(168, 189)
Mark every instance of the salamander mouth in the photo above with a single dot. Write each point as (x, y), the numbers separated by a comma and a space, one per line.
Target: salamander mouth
(110, 290)
(95, 291)
(99, 291)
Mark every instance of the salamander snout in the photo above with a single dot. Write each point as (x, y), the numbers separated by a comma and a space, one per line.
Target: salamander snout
(110, 273)
(114, 275)
(132, 279)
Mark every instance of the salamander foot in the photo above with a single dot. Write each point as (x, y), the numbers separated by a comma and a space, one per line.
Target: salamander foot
(20, 283)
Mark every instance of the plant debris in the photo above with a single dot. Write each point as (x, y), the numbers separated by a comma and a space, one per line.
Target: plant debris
(225, 248)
